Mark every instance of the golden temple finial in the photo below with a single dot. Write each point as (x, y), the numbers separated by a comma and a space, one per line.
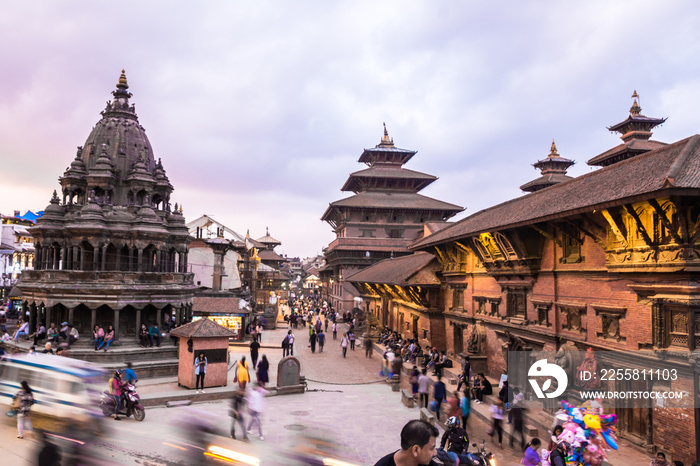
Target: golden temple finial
(553, 150)
(122, 84)
(180, 208)
(636, 109)
(386, 141)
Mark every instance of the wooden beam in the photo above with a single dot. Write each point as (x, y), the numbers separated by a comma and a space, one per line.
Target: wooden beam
(640, 226)
(662, 215)
(548, 236)
(567, 233)
(521, 251)
(615, 227)
(682, 218)
(588, 232)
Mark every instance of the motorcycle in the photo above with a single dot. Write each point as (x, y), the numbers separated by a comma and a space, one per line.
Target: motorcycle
(480, 457)
(132, 405)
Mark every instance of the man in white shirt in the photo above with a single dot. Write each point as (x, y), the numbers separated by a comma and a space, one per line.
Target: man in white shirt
(256, 407)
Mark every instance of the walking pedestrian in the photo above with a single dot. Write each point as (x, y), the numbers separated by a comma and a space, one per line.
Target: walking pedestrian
(413, 380)
(423, 388)
(285, 345)
(344, 344)
(23, 401)
(321, 341)
(263, 371)
(259, 331)
(368, 347)
(497, 416)
(237, 413)
(466, 405)
(516, 411)
(242, 376)
(351, 336)
(335, 330)
(312, 340)
(254, 348)
(256, 407)
(325, 324)
(439, 395)
(291, 343)
(200, 370)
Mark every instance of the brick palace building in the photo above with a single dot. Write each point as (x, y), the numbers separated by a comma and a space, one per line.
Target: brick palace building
(609, 260)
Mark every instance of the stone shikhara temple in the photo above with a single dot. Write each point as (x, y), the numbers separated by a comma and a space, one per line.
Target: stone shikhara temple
(110, 250)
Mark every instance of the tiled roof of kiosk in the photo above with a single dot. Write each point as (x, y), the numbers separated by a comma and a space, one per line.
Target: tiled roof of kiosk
(675, 166)
(216, 304)
(395, 271)
(202, 328)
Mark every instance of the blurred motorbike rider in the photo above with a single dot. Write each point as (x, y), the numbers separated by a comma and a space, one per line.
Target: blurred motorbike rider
(454, 443)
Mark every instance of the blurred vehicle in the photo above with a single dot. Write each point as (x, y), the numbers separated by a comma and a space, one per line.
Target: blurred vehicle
(64, 388)
(131, 406)
(480, 457)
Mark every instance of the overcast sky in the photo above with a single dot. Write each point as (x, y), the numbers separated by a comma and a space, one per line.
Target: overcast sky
(260, 110)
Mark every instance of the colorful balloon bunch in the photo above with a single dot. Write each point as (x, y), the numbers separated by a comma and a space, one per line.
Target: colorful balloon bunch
(589, 433)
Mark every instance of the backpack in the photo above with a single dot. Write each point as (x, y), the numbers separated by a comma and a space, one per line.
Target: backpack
(111, 385)
(285, 342)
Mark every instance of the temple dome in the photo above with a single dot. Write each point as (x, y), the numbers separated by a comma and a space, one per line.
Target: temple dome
(120, 133)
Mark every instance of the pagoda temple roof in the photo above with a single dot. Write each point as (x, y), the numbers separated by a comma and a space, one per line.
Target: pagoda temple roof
(267, 239)
(393, 200)
(399, 271)
(388, 172)
(270, 255)
(631, 119)
(671, 168)
(630, 148)
(545, 181)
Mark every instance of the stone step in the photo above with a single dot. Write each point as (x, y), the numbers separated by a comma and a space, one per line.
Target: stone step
(123, 353)
(148, 369)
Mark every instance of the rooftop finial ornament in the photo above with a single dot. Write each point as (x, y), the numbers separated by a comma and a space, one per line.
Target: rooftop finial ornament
(553, 150)
(122, 84)
(636, 110)
(386, 141)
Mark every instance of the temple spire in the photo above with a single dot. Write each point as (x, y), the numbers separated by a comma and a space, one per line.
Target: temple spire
(635, 110)
(122, 84)
(553, 150)
(386, 140)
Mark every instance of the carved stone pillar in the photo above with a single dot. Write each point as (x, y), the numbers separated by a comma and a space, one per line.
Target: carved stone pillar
(64, 257)
(104, 258)
(37, 258)
(140, 261)
(93, 318)
(138, 323)
(118, 260)
(82, 257)
(71, 314)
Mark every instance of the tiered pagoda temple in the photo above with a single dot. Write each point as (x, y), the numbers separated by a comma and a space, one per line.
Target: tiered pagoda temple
(635, 133)
(111, 250)
(553, 169)
(380, 220)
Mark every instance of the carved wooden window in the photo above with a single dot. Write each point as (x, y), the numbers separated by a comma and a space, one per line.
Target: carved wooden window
(505, 247)
(394, 233)
(493, 304)
(516, 303)
(480, 305)
(678, 328)
(542, 309)
(571, 250)
(458, 298)
(575, 317)
(458, 339)
(366, 233)
(610, 322)
(486, 257)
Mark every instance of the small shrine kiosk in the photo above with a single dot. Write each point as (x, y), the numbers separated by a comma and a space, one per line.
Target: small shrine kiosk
(210, 338)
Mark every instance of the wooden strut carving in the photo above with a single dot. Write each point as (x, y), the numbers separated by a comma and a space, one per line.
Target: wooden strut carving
(664, 219)
(615, 227)
(589, 232)
(640, 226)
(567, 233)
(682, 219)
(548, 236)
